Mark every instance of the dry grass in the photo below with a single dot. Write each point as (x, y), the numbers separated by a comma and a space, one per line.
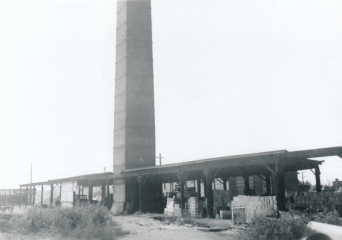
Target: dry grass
(88, 222)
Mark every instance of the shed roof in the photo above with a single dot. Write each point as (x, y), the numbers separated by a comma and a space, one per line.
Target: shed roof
(236, 165)
(252, 163)
(86, 177)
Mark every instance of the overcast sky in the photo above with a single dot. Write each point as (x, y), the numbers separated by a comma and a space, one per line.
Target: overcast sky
(231, 77)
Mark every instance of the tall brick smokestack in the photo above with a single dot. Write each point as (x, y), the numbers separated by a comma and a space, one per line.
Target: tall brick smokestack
(134, 123)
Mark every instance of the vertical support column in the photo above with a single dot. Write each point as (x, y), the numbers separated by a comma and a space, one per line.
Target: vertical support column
(246, 182)
(73, 198)
(268, 185)
(139, 178)
(198, 182)
(30, 195)
(280, 191)
(60, 193)
(318, 179)
(20, 201)
(34, 196)
(205, 187)
(108, 202)
(90, 196)
(26, 196)
(224, 180)
(51, 195)
(182, 181)
(210, 200)
(103, 193)
(209, 178)
(41, 195)
(6, 196)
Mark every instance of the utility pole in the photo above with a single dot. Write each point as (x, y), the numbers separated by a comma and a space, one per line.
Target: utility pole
(160, 157)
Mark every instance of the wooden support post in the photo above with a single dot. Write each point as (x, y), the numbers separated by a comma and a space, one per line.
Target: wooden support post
(90, 195)
(26, 196)
(318, 179)
(268, 185)
(182, 176)
(103, 193)
(210, 175)
(246, 182)
(20, 201)
(280, 191)
(108, 202)
(198, 182)
(209, 193)
(6, 197)
(205, 187)
(73, 198)
(60, 192)
(139, 178)
(51, 195)
(30, 195)
(41, 195)
(225, 180)
(182, 182)
(34, 196)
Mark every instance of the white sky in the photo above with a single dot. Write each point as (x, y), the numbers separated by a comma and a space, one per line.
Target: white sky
(231, 77)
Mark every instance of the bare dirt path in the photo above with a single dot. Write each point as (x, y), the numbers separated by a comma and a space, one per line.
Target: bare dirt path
(144, 227)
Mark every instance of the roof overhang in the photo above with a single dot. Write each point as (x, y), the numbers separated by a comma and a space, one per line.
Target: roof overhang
(251, 164)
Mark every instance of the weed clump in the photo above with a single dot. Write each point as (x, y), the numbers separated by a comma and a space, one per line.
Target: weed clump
(88, 222)
(285, 228)
(292, 225)
(329, 218)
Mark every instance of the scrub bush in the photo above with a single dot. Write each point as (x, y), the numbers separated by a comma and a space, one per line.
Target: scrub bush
(88, 222)
(329, 218)
(287, 227)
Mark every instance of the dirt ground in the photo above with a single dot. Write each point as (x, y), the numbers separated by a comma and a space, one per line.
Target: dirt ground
(151, 226)
(146, 227)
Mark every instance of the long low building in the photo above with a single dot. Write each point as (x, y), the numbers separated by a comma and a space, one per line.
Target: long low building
(266, 173)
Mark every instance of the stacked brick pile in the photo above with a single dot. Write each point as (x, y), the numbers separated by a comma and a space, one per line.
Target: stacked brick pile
(315, 200)
(255, 206)
(195, 206)
(221, 198)
(173, 207)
